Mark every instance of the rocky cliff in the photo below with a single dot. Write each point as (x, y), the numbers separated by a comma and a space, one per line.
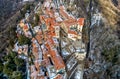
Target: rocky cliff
(101, 35)
(104, 49)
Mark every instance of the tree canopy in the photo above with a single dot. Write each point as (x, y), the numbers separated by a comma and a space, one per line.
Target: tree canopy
(17, 75)
(23, 40)
(12, 66)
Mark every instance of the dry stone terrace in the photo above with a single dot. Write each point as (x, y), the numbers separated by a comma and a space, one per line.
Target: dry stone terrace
(54, 54)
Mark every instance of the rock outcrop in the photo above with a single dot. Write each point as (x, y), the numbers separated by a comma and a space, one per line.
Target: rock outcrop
(102, 33)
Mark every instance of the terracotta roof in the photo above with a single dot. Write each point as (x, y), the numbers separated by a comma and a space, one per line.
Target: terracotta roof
(25, 28)
(81, 21)
(35, 49)
(41, 18)
(70, 21)
(57, 60)
(72, 32)
(64, 14)
(57, 24)
(49, 12)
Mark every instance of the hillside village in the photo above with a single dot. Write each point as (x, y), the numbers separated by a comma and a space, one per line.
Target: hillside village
(60, 39)
(56, 50)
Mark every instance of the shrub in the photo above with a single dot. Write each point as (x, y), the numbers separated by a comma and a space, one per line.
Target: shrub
(112, 54)
(23, 40)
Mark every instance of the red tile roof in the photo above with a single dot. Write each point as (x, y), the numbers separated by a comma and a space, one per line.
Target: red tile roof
(81, 21)
(25, 28)
(35, 49)
(72, 32)
(56, 58)
(63, 13)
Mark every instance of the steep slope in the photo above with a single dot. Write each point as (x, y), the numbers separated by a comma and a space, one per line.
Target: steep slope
(8, 8)
(101, 35)
(103, 57)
